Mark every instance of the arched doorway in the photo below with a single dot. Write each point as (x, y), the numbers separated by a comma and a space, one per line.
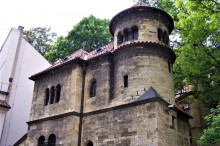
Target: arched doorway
(89, 143)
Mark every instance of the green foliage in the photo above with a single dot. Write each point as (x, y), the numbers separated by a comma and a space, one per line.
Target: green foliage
(41, 38)
(211, 135)
(197, 30)
(89, 33)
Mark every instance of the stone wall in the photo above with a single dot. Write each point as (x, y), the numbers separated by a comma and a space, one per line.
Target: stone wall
(70, 79)
(144, 68)
(147, 26)
(129, 126)
(65, 130)
(173, 130)
(98, 69)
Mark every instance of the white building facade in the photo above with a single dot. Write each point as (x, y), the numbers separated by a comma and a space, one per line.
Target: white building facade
(18, 61)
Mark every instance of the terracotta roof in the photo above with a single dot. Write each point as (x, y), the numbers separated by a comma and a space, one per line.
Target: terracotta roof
(139, 3)
(102, 50)
(138, 42)
(79, 54)
(4, 104)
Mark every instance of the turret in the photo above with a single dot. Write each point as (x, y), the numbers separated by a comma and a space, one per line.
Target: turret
(143, 57)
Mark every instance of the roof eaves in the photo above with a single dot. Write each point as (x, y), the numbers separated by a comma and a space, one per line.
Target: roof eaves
(34, 77)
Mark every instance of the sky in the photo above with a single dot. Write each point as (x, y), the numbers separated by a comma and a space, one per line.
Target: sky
(60, 15)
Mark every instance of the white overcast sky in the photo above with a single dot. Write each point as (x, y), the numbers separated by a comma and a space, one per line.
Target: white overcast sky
(60, 15)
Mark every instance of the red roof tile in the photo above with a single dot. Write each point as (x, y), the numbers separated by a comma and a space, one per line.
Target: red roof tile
(82, 54)
(4, 104)
(139, 3)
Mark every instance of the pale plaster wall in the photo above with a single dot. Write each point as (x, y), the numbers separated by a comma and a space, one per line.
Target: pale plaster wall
(29, 62)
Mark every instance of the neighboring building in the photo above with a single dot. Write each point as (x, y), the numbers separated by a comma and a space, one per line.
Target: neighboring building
(118, 95)
(18, 60)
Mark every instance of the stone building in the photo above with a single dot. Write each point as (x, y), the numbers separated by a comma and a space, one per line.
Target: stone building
(121, 94)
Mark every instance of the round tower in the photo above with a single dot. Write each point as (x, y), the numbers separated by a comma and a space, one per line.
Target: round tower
(142, 56)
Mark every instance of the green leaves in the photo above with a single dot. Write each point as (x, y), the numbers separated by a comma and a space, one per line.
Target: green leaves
(90, 33)
(41, 38)
(198, 47)
(211, 135)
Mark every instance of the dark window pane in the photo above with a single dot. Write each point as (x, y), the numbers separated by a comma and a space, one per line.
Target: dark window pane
(52, 140)
(41, 141)
(159, 33)
(52, 90)
(90, 144)
(126, 35)
(119, 38)
(58, 89)
(126, 81)
(46, 98)
(93, 88)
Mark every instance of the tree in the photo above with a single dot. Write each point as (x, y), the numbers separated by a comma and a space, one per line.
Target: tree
(41, 38)
(199, 48)
(211, 134)
(89, 33)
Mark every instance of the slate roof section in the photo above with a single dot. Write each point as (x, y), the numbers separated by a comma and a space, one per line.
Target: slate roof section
(4, 104)
(151, 93)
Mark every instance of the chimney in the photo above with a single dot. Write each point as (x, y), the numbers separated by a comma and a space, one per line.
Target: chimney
(21, 28)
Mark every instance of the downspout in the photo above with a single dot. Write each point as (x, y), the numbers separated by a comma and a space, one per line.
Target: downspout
(82, 103)
(20, 28)
(190, 133)
(112, 76)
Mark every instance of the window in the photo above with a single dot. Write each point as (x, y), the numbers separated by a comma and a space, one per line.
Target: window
(126, 81)
(159, 34)
(165, 37)
(169, 67)
(126, 35)
(134, 32)
(52, 140)
(58, 88)
(46, 98)
(41, 141)
(173, 122)
(119, 38)
(52, 89)
(93, 88)
(89, 143)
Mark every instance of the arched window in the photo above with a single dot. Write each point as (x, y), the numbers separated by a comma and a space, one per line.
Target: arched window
(41, 141)
(52, 140)
(58, 88)
(89, 143)
(169, 67)
(93, 88)
(126, 35)
(159, 34)
(165, 37)
(52, 90)
(134, 31)
(46, 98)
(119, 38)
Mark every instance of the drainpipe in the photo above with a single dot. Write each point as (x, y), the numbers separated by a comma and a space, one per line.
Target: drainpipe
(82, 103)
(112, 76)
(190, 133)
(20, 28)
